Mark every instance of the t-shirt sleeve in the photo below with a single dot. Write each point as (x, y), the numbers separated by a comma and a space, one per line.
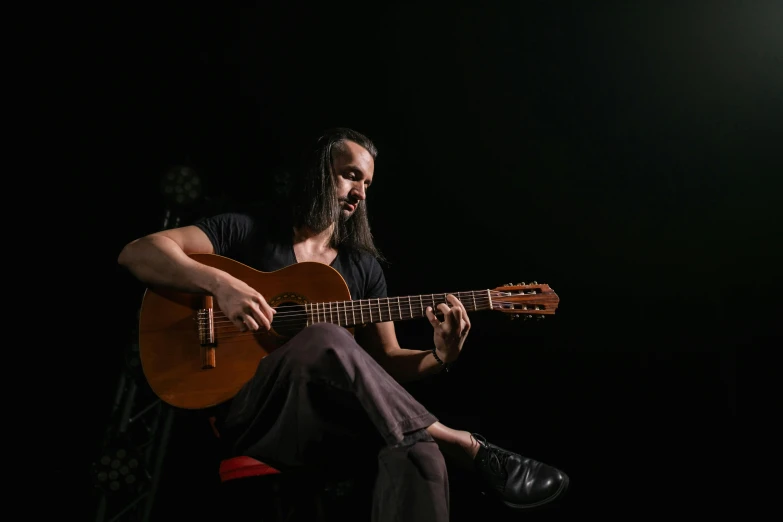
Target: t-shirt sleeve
(227, 231)
(376, 280)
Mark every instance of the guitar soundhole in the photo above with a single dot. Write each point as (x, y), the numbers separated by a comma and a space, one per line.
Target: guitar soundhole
(291, 318)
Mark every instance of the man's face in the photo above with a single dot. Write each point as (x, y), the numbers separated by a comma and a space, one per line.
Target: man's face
(353, 171)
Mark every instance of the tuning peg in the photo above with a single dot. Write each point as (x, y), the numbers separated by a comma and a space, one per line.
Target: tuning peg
(534, 282)
(540, 317)
(528, 316)
(522, 284)
(514, 317)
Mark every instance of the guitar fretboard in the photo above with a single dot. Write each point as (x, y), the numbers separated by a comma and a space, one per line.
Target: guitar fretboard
(365, 311)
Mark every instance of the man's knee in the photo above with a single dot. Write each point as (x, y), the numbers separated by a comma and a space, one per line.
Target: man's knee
(428, 459)
(422, 459)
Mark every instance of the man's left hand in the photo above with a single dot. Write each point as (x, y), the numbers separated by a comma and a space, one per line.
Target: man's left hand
(451, 332)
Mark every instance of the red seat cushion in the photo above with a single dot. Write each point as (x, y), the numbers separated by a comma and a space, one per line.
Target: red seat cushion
(239, 467)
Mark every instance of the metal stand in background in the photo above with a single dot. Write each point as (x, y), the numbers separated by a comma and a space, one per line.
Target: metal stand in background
(128, 470)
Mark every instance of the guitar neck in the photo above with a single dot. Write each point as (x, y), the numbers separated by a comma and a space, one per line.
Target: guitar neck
(378, 310)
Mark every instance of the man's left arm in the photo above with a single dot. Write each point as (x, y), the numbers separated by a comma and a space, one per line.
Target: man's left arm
(380, 341)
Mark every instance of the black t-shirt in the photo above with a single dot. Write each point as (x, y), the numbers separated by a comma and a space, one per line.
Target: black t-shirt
(261, 242)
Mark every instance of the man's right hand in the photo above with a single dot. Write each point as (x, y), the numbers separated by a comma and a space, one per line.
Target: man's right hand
(243, 305)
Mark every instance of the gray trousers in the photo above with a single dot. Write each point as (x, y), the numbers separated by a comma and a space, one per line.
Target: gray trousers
(321, 406)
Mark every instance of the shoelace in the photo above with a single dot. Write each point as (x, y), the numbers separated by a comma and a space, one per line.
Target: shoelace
(497, 458)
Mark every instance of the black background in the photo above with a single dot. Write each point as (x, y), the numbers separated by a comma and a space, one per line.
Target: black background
(624, 153)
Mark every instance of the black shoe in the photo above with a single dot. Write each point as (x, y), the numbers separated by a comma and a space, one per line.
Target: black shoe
(518, 481)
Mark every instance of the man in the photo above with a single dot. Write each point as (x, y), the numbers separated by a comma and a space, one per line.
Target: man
(326, 396)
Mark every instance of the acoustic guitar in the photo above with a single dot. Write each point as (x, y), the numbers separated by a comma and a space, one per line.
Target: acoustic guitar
(194, 357)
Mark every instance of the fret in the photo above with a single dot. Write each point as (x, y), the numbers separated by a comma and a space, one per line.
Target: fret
(421, 305)
(410, 308)
(380, 314)
(473, 294)
(307, 315)
(489, 296)
(353, 311)
(399, 309)
(369, 307)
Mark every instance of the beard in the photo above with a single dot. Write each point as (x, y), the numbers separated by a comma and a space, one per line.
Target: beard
(343, 226)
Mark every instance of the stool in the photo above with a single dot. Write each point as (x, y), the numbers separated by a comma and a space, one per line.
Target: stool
(254, 490)
(240, 467)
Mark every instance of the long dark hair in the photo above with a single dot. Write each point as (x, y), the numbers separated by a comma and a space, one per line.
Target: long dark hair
(313, 198)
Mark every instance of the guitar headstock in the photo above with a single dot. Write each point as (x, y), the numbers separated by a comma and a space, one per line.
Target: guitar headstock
(523, 300)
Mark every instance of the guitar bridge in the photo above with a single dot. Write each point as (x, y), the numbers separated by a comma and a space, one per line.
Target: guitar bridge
(206, 334)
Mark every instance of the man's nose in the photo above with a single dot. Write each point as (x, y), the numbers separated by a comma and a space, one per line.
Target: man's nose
(360, 192)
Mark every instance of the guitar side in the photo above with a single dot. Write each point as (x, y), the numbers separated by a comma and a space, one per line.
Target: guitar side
(170, 347)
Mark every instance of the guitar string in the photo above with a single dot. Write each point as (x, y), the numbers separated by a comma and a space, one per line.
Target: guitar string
(370, 304)
(369, 311)
(369, 308)
(363, 304)
(480, 293)
(389, 301)
(231, 328)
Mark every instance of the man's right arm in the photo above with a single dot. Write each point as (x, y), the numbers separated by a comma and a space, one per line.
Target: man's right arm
(161, 259)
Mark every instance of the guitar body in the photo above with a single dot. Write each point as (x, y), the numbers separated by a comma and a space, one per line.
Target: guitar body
(173, 353)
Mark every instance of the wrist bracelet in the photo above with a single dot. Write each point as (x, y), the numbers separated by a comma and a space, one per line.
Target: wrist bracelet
(445, 365)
